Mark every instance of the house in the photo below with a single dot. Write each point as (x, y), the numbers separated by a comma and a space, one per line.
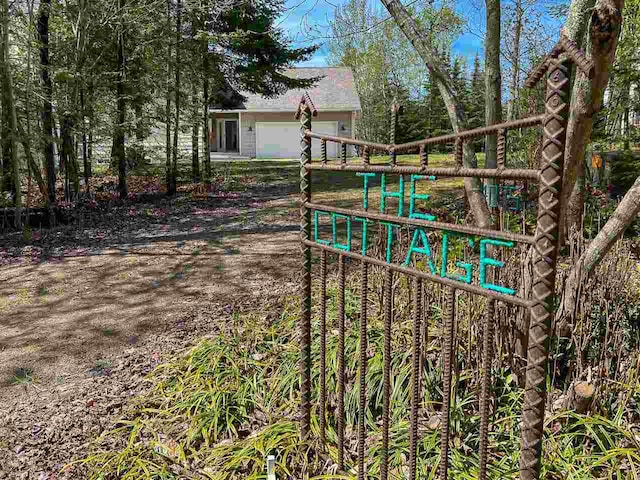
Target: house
(265, 127)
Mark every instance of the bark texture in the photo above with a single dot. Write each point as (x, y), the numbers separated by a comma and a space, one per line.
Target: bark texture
(514, 84)
(121, 106)
(10, 106)
(492, 78)
(599, 21)
(176, 128)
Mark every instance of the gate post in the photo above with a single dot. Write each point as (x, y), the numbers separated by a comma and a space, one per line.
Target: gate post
(304, 113)
(544, 267)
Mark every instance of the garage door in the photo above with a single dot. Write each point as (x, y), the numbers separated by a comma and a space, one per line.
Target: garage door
(282, 139)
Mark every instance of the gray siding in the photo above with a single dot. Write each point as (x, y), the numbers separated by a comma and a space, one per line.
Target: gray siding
(248, 137)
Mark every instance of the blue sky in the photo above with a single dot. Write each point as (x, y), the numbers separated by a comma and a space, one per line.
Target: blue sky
(302, 14)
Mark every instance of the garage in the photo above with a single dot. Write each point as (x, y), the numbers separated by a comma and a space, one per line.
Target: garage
(282, 139)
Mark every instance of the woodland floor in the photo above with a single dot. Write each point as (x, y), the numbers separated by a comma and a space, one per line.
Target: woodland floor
(88, 309)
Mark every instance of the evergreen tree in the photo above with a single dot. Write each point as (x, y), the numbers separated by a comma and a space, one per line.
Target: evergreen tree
(476, 100)
(437, 116)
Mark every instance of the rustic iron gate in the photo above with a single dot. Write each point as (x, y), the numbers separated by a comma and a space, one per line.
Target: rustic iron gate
(540, 306)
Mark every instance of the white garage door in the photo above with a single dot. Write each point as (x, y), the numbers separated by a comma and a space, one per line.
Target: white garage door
(282, 139)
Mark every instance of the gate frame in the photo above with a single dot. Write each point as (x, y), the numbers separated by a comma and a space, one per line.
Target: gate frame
(545, 242)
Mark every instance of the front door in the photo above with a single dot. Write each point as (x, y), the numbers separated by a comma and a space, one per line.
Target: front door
(231, 135)
(227, 135)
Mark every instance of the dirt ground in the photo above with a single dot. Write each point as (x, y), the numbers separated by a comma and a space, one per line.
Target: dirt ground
(86, 310)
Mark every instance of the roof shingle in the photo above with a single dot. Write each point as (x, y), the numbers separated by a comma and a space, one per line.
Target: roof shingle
(335, 91)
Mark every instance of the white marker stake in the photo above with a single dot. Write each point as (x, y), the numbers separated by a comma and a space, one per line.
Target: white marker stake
(271, 467)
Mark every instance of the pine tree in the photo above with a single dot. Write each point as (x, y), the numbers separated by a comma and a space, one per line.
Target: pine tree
(437, 116)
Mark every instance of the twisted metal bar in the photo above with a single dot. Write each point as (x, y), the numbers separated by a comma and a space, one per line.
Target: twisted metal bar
(341, 379)
(424, 156)
(538, 72)
(343, 153)
(577, 56)
(546, 247)
(323, 151)
(502, 147)
(449, 328)
(366, 155)
(485, 379)
(512, 300)
(323, 346)
(415, 377)
(572, 51)
(449, 138)
(306, 104)
(442, 226)
(476, 132)
(305, 284)
(386, 379)
(362, 411)
(507, 173)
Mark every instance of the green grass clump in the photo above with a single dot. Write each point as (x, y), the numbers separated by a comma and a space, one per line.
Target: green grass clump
(22, 376)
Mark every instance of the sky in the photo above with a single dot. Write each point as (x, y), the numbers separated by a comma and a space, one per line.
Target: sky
(302, 14)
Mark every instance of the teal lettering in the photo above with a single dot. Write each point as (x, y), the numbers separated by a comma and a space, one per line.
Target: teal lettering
(413, 196)
(467, 267)
(419, 234)
(342, 246)
(365, 191)
(385, 194)
(365, 224)
(316, 221)
(390, 227)
(492, 262)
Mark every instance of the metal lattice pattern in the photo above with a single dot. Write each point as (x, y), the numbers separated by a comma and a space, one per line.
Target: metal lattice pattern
(540, 306)
(544, 268)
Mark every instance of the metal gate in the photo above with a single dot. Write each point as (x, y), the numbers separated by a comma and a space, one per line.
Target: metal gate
(540, 305)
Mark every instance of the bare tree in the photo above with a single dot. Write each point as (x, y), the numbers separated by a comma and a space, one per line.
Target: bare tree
(168, 105)
(176, 128)
(46, 115)
(419, 38)
(514, 83)
(10, 107)
(493, 81)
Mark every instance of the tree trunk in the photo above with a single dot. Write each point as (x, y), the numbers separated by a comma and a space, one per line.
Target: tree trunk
(514, 86)
(34, 168)
(493, 92)
(121, 107)
(69, 152)
(420, 40)
(140, 133)
(168, 105)
(195, 135)
(601, 20)
(581, 396)
(91, 125)
(6, 182)
(205, 94)
(46, 115)
(11, 113)
(176, 129)
(85, 155)
(493, 84)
